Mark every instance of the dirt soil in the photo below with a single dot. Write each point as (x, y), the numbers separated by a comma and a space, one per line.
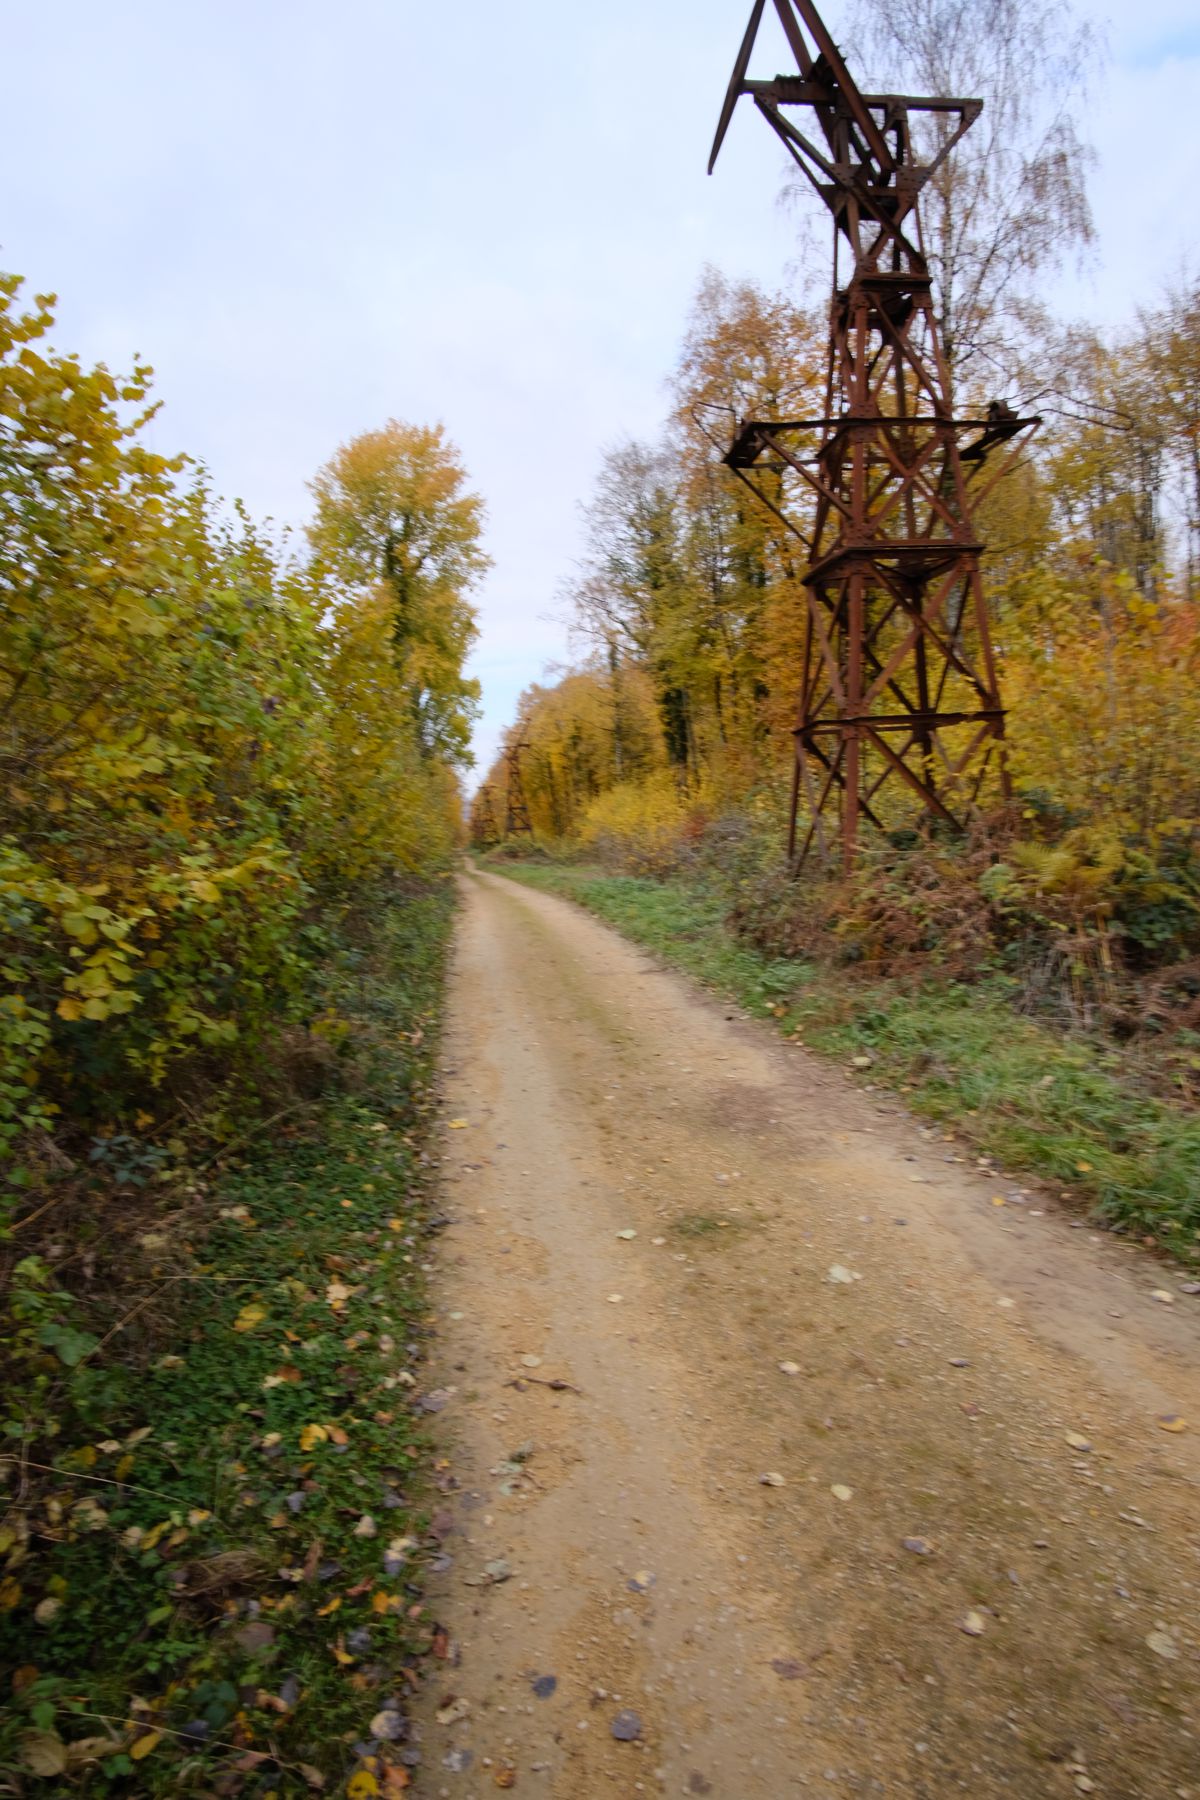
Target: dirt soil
(864, 1483)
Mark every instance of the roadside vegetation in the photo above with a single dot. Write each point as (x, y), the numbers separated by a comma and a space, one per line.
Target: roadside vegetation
(228, 821)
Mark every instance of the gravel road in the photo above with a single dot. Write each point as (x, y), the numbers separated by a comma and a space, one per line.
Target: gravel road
(861, 1482)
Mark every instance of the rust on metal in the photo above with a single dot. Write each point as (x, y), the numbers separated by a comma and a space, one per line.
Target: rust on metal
(516, 808)
(898, 681)
(484, 830)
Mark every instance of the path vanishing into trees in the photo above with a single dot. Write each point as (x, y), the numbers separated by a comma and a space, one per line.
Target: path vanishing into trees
(778, 1456)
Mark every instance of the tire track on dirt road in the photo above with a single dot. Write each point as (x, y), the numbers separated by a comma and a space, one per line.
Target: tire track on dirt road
(975, 1567)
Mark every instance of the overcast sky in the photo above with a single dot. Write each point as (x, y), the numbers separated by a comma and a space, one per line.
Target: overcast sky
(313, 217)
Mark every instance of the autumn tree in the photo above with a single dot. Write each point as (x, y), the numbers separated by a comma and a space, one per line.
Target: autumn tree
(200, 749)
(1172, 333)
(685, 576)
(746, 353)
(1009, 204)
(394, 515)
(1106, 455)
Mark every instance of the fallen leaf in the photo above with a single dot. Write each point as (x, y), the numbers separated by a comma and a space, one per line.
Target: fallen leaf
(250, 1317)
(144, 1745)
(452, 1710)
(841, 1492)
(973, 1623)
(1162, 1294)
(505, 1776)
(1075, 1442)
(312, 1776)
(81, 1751)
(361, 1785)
(311, 1436)
(366, 1527)
(44, 1753)
(614, 1299)
(1171, 1422)
(281, 1377)
(456, 1124)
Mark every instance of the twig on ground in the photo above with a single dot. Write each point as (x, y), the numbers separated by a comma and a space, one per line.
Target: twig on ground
(559, 1386)
(228, 1149)
(105, 1480)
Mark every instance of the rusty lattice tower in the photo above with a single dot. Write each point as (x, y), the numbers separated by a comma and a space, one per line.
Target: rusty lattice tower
(516, 807)
(898, 683)
(484, 829)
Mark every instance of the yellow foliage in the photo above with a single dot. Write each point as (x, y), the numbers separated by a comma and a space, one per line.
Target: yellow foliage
(203, 753)
(1104, 699)
(643, 826)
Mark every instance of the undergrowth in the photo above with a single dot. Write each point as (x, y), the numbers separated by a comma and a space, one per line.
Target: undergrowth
(1055, 1104)
(214, 1489)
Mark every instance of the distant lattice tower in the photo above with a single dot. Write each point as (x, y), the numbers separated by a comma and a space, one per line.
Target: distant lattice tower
(898, 683)
(484, 829)
(516, 809)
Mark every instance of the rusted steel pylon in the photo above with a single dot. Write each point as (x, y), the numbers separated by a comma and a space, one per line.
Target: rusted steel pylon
(516, 809)
(484, 829)
(898, 680)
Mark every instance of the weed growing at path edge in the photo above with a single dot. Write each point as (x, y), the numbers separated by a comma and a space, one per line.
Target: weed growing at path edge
(211, 1555)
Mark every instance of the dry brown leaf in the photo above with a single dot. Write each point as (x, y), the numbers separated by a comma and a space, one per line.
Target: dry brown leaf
(43, 1753)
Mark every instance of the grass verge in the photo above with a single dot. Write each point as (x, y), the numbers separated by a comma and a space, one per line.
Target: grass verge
(215, 1511)
(1035, 1100)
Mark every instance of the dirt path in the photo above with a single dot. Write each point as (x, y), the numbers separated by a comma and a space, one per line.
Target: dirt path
(941, 1589)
